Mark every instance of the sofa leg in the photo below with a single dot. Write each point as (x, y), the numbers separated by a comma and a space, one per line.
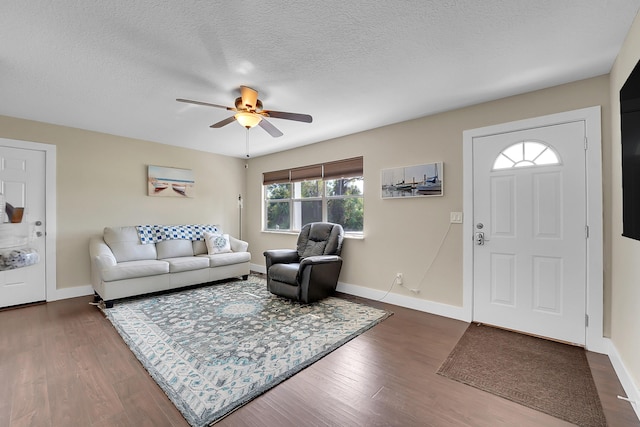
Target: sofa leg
(245, 277)
(96, 297)
(108, 304)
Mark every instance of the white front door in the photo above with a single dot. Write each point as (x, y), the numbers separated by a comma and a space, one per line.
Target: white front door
(529, 223)
(22, 182)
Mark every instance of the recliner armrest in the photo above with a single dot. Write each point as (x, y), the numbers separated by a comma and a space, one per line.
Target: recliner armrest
(280, 256)
(319, 259)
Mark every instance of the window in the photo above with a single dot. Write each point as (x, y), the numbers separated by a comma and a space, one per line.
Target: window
(526, 153)
(332, 192)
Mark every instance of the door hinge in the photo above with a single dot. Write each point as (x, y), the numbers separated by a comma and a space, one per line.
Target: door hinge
(586, 143)
(586, 320)
(586, 231)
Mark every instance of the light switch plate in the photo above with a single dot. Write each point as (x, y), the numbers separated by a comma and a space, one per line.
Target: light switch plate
(456, 217)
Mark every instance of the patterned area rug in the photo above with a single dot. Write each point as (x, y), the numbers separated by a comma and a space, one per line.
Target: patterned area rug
(548, 376)
(212, 349)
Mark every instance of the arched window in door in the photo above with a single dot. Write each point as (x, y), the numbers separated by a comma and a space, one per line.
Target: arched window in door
(524, 154)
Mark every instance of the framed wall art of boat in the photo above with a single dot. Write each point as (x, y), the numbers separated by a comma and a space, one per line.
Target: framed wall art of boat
(170, 182)
(412, 181)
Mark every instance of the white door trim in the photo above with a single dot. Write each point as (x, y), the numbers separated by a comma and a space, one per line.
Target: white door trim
(50, 207)
(591, 116)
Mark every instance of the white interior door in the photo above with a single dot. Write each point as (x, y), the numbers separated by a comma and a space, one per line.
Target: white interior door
(529, 220)
(22, 182)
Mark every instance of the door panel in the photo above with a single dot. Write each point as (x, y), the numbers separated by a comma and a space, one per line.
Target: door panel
(547, 210)
(503, 279)
(530, 271)
(547, 284)
(22, 182)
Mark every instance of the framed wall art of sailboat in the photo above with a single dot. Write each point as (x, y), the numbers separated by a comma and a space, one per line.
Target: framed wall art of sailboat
(412, 181)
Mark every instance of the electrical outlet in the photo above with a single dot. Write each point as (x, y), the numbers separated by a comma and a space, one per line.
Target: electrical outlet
(399, 278)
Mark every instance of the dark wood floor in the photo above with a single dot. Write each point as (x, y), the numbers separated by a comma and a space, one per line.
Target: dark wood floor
(63, 364)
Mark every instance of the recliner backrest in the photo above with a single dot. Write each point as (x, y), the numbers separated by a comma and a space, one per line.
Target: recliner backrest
(320, 238)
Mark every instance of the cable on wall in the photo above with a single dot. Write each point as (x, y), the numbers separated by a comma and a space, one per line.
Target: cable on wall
(435, 256)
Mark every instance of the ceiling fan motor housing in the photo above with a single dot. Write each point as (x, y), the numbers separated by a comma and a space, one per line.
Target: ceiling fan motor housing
(241, 106)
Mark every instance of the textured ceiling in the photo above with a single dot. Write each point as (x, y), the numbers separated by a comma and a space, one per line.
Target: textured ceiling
(117, 66)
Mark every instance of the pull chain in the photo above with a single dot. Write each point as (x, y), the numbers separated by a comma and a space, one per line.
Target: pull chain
(247, 144)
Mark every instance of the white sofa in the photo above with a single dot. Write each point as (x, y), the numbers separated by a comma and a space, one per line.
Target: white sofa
(122, 266)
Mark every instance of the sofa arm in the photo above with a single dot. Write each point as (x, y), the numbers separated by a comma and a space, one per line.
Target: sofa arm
(101, 257)
(238, 245)
(280, 256)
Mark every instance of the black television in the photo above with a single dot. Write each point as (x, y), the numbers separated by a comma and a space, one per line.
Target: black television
(630, 132)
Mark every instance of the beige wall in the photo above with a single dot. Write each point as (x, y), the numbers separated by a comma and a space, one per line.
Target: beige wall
(625, 268)
(101, 181)
(403, 235)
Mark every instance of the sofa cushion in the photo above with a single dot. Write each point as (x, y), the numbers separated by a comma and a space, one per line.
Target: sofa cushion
(125, 244)
(174, 248)
(217, 243)
(227, 259)
(186, 263)
(199, 247)
(133, 269)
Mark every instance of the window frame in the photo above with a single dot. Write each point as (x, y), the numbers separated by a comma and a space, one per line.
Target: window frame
(525, 162)
(352, 168)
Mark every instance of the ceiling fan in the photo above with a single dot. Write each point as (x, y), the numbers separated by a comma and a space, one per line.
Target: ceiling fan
(249, 112)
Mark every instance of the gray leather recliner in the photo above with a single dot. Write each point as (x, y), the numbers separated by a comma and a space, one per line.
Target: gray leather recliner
(310, 272)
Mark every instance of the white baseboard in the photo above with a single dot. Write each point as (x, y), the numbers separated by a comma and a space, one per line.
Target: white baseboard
(440, 309)
(431, 307)
(630, 388)
(76, 291)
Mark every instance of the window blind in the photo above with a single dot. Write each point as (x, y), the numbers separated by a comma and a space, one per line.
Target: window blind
(306, 173)
(343, 168)
(275, 177)
(346, 168)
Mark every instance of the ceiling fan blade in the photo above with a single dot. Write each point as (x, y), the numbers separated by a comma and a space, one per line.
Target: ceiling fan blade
(223, 122)
(271, 129)
(206, 104)
(289, 116)
(249, 97)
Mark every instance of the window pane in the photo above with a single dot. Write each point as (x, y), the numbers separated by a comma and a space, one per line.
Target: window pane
(347, 212)
(502, 162)
(278, 216)
(345, 187)
(306, 211)
(524, 163)
(514, 152)
(278, 191)
(305, 189)
(532, 150)
(548, 157)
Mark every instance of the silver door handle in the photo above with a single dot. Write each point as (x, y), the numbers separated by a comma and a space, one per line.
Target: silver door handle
(39, 233)
(479, 238)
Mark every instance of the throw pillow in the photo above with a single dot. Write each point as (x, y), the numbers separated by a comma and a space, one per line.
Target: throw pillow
(217, 243)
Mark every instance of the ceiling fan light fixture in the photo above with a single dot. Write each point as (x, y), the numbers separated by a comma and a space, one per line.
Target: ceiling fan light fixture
(247, 119)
